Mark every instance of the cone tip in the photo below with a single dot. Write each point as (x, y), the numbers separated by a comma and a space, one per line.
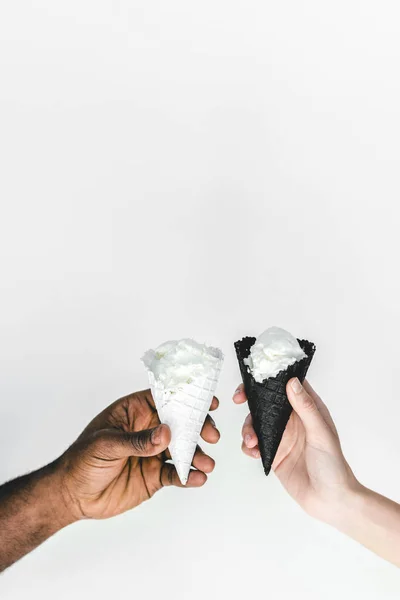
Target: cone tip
(183, 472)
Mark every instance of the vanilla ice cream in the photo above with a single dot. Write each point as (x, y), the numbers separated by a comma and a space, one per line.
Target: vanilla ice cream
(177, 363)
(273, 351)
(183, 377)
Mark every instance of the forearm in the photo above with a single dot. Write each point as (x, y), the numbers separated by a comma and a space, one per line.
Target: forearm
(32, 508)
(373, 521)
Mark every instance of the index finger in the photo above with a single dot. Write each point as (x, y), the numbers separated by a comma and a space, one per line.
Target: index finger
(239, 397)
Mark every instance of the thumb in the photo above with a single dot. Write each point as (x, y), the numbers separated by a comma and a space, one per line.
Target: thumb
(306, 408)
(114, 444)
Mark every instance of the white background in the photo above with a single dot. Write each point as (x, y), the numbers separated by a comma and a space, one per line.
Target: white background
(203, 169)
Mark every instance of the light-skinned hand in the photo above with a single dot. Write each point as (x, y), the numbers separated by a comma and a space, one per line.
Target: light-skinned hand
(309, 462)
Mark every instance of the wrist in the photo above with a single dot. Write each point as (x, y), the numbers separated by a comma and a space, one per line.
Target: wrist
(52, 488)
(344, 513)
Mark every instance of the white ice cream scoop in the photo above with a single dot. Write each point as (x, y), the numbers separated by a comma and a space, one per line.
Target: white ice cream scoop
(183, 376)
(272, 352)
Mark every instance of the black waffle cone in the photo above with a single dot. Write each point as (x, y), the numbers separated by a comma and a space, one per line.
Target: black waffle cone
(268, 402)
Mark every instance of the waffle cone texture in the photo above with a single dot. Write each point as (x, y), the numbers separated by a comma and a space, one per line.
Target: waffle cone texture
(184, 410)
(268, 401)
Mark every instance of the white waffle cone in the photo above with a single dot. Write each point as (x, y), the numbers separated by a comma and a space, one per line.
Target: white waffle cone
(184, 410)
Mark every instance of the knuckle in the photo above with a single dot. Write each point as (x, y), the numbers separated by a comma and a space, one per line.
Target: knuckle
(140, 441)
(97, 436)
(98, 439)
(100, 443)
(307, 402)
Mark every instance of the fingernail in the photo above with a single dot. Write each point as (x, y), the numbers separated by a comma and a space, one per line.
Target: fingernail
(156, 436)
(237, 391)
(256, 453)
(296, 386)
(212, 422)
(247, 439)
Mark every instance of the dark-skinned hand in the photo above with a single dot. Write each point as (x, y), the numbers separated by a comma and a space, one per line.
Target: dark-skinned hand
(120, 459)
